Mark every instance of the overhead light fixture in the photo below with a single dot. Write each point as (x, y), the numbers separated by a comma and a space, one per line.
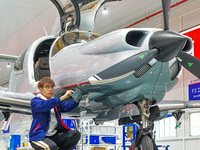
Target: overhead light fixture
(8, 65)
(105, 11)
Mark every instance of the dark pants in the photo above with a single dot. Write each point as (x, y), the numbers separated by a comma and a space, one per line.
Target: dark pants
(65, 140)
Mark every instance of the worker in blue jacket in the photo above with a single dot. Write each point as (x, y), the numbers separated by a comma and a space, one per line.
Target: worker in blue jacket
(48, 131)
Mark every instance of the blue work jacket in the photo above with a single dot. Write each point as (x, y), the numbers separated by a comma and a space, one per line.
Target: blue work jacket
(41, 112)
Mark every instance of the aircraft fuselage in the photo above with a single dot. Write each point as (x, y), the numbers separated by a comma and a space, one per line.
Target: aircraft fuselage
(100, 67)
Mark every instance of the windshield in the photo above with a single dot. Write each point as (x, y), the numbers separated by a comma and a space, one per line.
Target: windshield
(71, 38)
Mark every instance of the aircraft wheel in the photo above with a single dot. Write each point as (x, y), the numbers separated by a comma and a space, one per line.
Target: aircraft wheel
(145, 144)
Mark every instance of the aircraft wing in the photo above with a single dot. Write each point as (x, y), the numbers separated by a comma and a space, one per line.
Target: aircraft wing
(8, 58)
(15, 102)
(20, 103)
(160, 110)
(11, 102)
(177, 104)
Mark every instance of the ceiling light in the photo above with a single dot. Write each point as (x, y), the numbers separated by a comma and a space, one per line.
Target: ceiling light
(105, 11)
(8, 65)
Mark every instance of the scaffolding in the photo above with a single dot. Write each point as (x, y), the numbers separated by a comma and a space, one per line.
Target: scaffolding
(108, 135)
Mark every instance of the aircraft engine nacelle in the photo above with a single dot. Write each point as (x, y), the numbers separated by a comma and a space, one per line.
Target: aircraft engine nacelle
(119, 41)
(83, 54)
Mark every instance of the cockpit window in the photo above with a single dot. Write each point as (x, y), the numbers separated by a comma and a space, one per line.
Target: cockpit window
(71, 38)
(20, 61)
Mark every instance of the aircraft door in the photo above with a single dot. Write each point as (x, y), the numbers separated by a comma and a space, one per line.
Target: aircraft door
(69, 14)
(64, 63)
(60, 55)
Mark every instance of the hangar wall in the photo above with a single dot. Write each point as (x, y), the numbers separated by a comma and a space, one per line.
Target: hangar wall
(179, 21)
(183, 140)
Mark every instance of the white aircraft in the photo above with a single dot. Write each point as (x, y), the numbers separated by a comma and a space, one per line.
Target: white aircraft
(121, 75)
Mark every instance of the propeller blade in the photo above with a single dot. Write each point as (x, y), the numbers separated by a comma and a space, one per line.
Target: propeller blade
(132, 63)
(190, 63)
(166, 4)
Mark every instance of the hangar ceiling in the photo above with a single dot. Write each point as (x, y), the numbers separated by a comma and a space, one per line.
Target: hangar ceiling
(24, 21)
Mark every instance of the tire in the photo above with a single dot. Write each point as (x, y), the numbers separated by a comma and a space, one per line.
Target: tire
(145, 144)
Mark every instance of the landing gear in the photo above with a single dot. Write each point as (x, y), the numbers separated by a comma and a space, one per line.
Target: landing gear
(144, 137)
(8, 117)
(146, 143)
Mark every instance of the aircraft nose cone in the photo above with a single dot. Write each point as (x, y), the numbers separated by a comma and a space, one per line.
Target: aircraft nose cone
(168, 43)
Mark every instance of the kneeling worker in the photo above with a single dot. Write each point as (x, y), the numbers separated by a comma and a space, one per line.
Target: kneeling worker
(48, 131)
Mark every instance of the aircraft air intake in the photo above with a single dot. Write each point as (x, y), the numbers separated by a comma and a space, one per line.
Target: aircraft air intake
(135, 38)
(142, 71)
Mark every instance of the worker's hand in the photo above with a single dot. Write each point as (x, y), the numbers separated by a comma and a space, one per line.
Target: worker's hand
(77, 95)
(66, 95)
(69, 93)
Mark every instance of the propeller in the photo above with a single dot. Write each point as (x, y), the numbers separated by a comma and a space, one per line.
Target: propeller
(171, 44)
(191, 63)
(166, 4)
(168, 43)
